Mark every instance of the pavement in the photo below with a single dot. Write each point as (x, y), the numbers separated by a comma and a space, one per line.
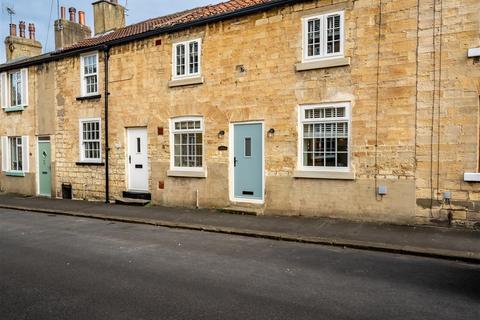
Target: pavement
(59, 267)
(436, 242)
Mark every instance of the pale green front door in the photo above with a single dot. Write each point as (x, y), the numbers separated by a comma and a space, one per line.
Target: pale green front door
(44, 168)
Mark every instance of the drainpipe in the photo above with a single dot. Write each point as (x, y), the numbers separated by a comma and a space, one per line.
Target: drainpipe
(106, 56)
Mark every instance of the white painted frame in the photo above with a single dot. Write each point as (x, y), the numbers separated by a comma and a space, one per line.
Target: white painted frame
(172, 142)
(83, 82)
(37, 168)
(231, 168)
(301, 112)
(187, 57)
(127, 167)
(323, 36)
(80, 140)
(5, 89)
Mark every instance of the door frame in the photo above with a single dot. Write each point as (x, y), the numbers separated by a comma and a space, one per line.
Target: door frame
(127, 167)
(37, 167)
(231, 168)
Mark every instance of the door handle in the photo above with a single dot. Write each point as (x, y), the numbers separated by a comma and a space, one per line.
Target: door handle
(129, 159)
(235, 161)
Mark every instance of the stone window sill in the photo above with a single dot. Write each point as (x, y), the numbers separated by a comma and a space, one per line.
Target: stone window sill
(15, 109)
(185, 82)
(14, 174)
(328, 175)
(92, 97)
(86, 163)
(323, 64)
(187, 174)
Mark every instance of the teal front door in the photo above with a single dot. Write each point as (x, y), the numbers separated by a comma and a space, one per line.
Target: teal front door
(44, 168)
(248, 161)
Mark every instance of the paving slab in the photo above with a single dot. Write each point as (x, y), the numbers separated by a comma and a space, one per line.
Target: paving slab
(440, 242)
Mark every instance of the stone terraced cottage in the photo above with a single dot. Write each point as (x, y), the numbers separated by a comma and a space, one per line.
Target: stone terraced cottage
(358, 109)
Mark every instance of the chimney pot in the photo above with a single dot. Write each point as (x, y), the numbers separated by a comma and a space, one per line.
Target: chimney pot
(63, 12)
(13, 29)
(81, 17)
(21, 26)
(72, 12)
(31, 31)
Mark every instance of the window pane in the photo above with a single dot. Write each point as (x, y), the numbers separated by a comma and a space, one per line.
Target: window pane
(248, 147)
(333, 34)
(193, 57)
(180, 59)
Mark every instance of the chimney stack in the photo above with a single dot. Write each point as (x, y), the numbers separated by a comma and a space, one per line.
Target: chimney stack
(108, 16)
(21, 26)
(13, 29)
(68, 32)
(31, 31)
(72, 12)
(19, 47)
(81, 17)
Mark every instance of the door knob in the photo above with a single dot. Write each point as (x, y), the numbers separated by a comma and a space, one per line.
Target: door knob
(235, 161)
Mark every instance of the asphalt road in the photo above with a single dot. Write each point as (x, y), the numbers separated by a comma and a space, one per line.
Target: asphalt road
(54, 267)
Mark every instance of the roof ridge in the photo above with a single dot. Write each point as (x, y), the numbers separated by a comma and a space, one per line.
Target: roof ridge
(169, 20)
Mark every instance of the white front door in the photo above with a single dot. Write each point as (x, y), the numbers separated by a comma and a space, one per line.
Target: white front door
(137, 159)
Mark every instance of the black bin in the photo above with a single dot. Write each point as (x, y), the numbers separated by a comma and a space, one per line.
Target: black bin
(66, 191)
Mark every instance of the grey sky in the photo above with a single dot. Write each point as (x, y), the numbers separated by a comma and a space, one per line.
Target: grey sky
(44, 12)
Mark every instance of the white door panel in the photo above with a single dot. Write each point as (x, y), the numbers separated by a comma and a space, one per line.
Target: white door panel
(137, 159)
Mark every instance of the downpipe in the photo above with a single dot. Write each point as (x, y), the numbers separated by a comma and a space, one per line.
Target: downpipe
(106, 57)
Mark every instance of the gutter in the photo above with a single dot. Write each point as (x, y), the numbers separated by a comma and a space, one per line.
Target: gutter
(230, 15)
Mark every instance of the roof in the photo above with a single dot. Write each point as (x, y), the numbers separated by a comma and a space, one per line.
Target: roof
(167, 21)
(151, 27)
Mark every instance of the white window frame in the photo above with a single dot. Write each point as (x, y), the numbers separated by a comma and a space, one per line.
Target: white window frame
(81, 141)
(173, 131)
(6, 148)
(187, 74)
(301, 121)
(6, 86)
(323, 36)
(83, 81)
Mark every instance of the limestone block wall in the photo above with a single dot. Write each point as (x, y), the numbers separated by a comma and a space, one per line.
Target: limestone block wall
(88, 181)
(380, 84)
(36, 120)
(448, 110)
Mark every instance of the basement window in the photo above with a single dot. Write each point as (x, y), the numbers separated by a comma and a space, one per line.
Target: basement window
(14, 90)
(90, 133)
(186, 59)
(323, 36)
(89, 74)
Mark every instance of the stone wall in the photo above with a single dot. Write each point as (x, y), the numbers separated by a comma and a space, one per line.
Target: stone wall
(267, 45)
(448, 110)
(25, 123)
(405, 111)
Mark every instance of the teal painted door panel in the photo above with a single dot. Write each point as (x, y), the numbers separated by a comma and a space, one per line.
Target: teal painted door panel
(248, 161)
(44, 168)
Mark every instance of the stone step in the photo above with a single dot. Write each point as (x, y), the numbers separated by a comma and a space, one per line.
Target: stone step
(132, 202)
(137, 195)
(243, 210)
